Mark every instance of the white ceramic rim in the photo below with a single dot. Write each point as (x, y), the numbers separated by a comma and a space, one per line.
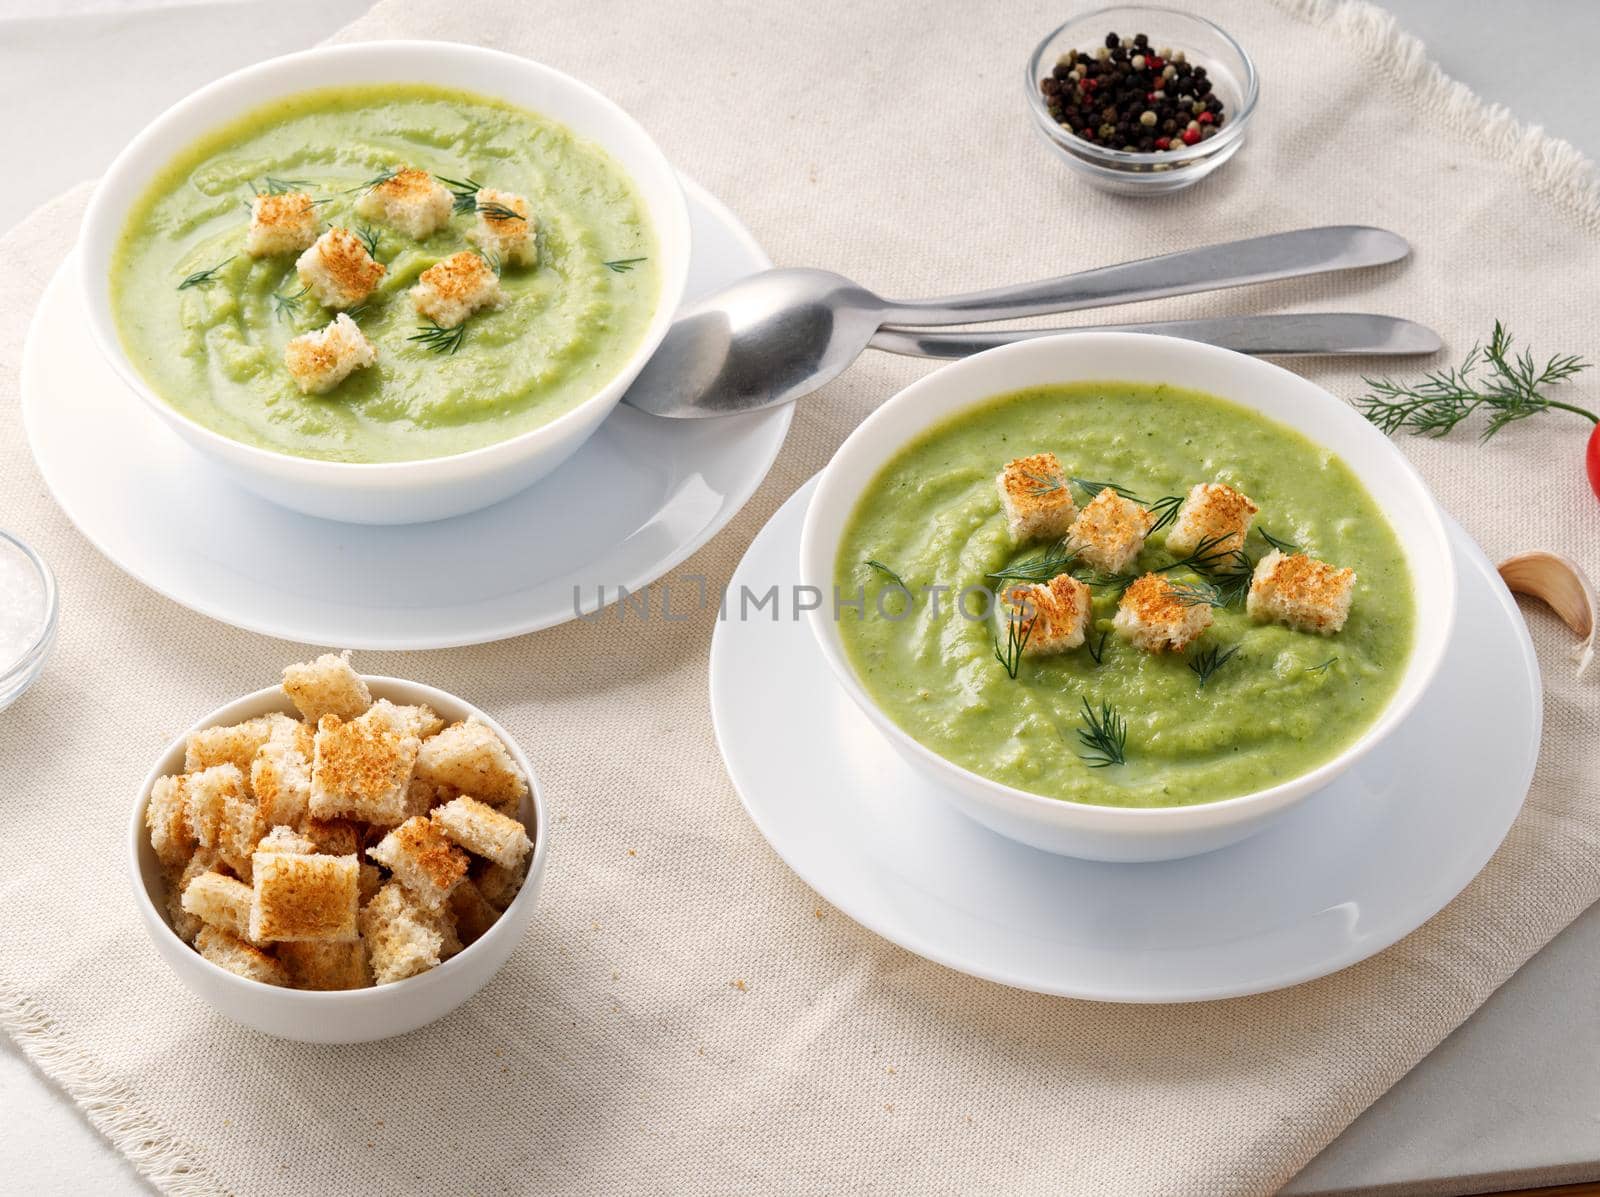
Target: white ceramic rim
(311, 998)
(818, 553)
(246, 90)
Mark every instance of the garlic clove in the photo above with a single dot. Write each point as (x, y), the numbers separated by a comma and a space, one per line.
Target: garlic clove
(1561, 584)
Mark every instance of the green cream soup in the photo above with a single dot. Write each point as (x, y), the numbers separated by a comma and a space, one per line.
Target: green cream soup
(215, 350)
(1284, 703)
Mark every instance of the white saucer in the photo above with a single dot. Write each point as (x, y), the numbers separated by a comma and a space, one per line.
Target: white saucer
(163, 515)
(1345, 875)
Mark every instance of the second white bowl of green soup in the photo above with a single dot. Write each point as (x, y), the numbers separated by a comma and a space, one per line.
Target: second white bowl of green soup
(386, 283)
(1123, 597)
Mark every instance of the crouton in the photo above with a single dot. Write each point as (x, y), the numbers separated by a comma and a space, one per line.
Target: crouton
(472, 912)
(281, 224)
(235, 745)
(410, 200)
(166, 815)
(371, 881)
(470, 757)
(485, 831)
(403, 938)
(338, 270)
(303, 897)
(186, 925)
(420, 720)
(280, 778)
(223, 816)
(319, 361)
(361, 770)
(1215, 515)
(423, 859)
(325, 963)
(1155, 615)
(504, 229)
(220, 901)
(333, 837)
(326, 686)
(1052, 617)
(287, 839)
(497, 884)
(234, 954)
(449, 292)
(1036, 496)
(1109, 532)
(1302, 592)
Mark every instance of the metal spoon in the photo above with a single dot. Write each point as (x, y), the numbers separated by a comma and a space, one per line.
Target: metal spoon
(780, 334)
(1299, 334)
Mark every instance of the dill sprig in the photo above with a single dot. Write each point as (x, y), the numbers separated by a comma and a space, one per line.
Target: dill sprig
(1105, 734)
(1204, 664)
(377, 180)
(1091, 488)
(1197, 594)
(465, 192)
(272, 186)
(622, 265)
(285, 306)
(1283, 546)
(371, 238)
(1098, 651)
(1018, 630)
(204, 278)
(438, 339)
(1039, 568)
(1508, 387)
(1321, 667)
(1165, 509)
(499, 212)
(873, 563)
(1207, 555)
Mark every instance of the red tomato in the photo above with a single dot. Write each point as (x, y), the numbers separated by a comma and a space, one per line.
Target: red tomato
(1591, 460)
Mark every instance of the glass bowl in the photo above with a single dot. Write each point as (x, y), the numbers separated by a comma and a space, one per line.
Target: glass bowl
(28, 607)
(1228, 67)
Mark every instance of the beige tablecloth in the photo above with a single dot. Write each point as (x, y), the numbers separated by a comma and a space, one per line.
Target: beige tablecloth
(614, 1054)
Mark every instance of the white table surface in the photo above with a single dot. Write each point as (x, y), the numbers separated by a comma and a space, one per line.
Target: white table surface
(1511, 1098)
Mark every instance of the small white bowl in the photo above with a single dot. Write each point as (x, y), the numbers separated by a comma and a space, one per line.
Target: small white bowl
(20, 670)
(351, 1015)
(404, 492)
(1109, 832)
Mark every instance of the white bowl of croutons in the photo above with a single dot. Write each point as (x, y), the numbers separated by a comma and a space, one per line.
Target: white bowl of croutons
(340, 858)
(394, 358)
(1151, 666)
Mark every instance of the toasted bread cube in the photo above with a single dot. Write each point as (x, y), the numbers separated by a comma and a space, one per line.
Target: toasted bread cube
(423, 859)
(220, 901)
(333, 837)
(1109, 532)
(281, 224)
(339, 271)
(470, 757)
(1214, 515)
(326, 686)
(361, 770)
(319, 361)
(238, 957)
(280, 778)
(186, 925)
(325, 963)
(1154, 615)
(371, 881)
(505, 230)
(472, 911)
(403, 937)
(1302, 592)
(1036, 496)
(287, 839)
(236, 745)
(166, 815)
(484, 831)
(1053, 617)
(420, 720)
(298, 896)
(224, 816)
(450, 291)
(410, 200)
(498, 884)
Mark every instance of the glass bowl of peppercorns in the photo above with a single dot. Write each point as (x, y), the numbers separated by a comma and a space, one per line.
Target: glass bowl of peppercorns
(1142, 100)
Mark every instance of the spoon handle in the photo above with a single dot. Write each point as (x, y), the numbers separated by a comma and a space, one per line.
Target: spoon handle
(1296, 335)
(1232, 264)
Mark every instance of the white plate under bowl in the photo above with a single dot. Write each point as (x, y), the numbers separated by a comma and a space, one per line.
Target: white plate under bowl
(1344, 875)
(639, 497)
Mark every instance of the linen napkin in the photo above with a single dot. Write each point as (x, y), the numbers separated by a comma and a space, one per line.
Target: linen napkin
(684, 1014)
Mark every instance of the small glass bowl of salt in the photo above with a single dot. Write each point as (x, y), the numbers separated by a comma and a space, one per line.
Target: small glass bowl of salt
(27, 617)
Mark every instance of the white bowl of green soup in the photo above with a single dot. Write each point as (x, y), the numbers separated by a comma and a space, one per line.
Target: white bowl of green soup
(1126, 597)
(389, 282)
